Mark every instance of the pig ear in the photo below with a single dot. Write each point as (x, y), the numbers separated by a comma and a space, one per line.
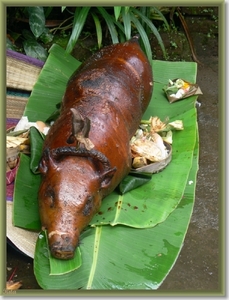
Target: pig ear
(43, 166)
(46, 162)
(106, 177)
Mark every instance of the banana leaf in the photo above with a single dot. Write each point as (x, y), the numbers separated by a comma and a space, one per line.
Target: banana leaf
(49, 88)
(36, 142)
(125, 258)
(25, 204)
(149, 206)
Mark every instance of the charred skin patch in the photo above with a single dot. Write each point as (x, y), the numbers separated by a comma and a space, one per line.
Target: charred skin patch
(88, 206)
(50, 196)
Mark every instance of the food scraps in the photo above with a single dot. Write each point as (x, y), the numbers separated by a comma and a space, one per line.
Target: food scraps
(18, 140)
(148, 145)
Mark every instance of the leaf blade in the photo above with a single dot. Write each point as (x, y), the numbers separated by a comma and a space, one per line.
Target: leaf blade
(98, 29)
(153, 28)
(110, 24)
(127, 23)
(79, 21)
(117, 11)
(25, 204)
(36, 144)
(36, 20)
(144, 37)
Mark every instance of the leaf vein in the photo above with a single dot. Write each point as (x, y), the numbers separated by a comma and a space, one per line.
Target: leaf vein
(98, 232)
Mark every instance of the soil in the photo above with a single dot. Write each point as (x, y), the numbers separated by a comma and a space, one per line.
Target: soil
(199, 267)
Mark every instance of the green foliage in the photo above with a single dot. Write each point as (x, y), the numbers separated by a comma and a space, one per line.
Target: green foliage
(36, 20)
(78, 23)
(121, 22)
(38, 34)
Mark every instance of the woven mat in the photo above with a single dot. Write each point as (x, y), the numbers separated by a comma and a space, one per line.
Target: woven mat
(25, 77)
(21, 74)
(15, 106)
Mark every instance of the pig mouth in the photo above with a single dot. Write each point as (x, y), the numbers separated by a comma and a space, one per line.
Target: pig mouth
(62, 252)
(61, 245)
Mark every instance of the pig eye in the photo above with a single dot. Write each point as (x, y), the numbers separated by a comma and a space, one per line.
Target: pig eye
(88, 206)
(50, 196)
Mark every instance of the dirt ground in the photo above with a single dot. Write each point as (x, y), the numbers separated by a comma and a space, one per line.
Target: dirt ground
(198, 267)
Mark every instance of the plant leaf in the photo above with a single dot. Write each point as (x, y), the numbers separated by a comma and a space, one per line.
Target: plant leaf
(132, 181)
(161, 16)
(49, 89)
(36, 144)
(46, 36)
(54, 115)
(10, 45)
(127, 23)
(36, 20)
(28, 35)
(110, 24)
(34, 49)
(144, 37)
(127, 258)
(117, 11)
(47, 10)
(98, 30)
(25, 204)
(153, 28)
(78, 24)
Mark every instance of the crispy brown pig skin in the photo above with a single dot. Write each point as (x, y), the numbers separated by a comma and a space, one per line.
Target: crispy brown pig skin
(86, 152)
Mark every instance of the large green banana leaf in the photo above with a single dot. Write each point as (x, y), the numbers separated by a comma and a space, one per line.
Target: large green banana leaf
(145, 207)
(122, 257)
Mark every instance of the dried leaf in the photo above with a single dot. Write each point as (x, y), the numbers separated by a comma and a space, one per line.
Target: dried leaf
(12, 286)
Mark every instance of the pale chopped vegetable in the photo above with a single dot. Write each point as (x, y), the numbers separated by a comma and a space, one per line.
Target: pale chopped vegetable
(178, 125)
(148, 149)
(139, 162)
(167, 136)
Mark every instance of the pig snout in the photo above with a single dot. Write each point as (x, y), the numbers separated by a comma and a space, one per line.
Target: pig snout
(62, 245)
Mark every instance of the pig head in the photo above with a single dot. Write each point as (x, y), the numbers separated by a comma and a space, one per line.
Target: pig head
(70, 194)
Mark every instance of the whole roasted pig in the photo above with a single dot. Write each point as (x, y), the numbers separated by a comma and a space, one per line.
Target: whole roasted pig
(86, 152)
